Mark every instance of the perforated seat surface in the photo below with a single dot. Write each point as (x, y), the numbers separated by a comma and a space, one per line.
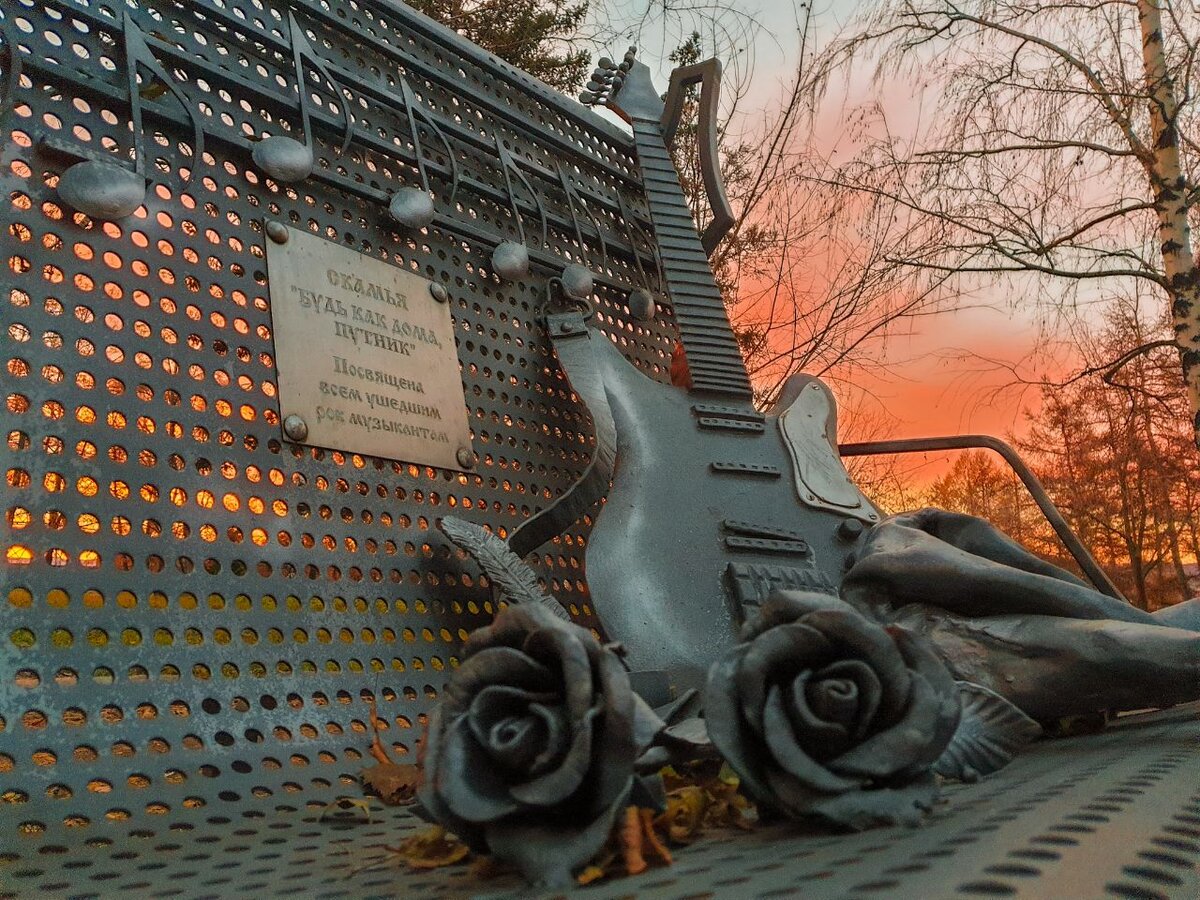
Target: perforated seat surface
(1110, 815)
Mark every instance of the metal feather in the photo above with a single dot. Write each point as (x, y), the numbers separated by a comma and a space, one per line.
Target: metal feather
(513, 581)
(991, 732)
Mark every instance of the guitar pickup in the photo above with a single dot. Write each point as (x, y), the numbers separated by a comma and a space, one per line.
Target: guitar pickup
(740, 413)
(752, 529)
(737, 468)
(765, 545)
(749, 537)
(731, 424)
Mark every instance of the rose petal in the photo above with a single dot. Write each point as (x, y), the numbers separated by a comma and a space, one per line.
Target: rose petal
(900, 749)
(833, 699)
(514, 742)
(823, 739)
(495, 665)
(428, 791)
(727, 727)
(869, 690)
(860, 810)
(502, 701)
(565, 648)
(615, 747)
(783, 607)
(856, 637)
(468, 780)
(923, 661)
(788, 755)
(789, 795)
(558, 785)
(777, 655)
(547, 849)
(557, 727)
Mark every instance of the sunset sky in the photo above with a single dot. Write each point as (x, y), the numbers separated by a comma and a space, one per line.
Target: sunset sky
(931, 379)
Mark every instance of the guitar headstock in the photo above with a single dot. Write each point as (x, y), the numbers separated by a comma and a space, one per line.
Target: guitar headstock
(627, 89)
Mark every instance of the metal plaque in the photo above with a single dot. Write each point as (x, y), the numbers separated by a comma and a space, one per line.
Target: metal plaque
(365, 353)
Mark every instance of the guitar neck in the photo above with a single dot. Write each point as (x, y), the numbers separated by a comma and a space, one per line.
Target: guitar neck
(713, 357)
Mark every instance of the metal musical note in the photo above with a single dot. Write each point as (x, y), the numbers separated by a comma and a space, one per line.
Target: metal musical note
(573, 201)
(104, 189)
(510, 260)
(413, 207)
(282, 157)
(641, 301)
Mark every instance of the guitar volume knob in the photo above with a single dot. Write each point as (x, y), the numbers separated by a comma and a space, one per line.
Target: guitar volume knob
(850, 530)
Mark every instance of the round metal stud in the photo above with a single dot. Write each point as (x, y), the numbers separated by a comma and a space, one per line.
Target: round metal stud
(466, 457)
(642, 306)
(439, 292)
(411, 207)
(283, 158)
(295, 428)
(577, 282)
(850, 529)
(277, 232)
(102, 190)
(510, 260)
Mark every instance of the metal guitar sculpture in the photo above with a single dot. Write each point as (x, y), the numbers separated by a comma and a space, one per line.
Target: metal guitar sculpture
(713, 503)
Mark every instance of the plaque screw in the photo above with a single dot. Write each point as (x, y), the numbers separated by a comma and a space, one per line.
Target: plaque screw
(564, 328)
(295, 428)
(466, 457)
(439, 292)
(277, 232)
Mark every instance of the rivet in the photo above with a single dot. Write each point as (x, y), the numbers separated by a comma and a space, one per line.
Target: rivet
(439, 292)
(564, 328)
(295, 428)
(277, 232)
(466, 457)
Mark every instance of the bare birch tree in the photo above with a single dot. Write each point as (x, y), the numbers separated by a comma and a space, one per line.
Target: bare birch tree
(1055, 137)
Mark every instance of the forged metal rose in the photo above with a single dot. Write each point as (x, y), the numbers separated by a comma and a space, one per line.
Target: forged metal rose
(530, 754)
(827, 714)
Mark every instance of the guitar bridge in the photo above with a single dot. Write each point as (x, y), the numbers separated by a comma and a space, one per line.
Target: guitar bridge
(749, 584)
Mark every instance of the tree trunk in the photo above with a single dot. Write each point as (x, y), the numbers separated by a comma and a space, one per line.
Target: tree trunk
(1171, 204)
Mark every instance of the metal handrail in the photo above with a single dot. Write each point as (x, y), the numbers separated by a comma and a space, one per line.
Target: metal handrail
(1082, 555)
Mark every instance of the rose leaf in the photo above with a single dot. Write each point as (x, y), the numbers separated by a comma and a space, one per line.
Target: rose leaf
(991, 732)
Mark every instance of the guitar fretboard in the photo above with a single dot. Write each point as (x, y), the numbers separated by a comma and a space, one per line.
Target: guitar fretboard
(713, 357)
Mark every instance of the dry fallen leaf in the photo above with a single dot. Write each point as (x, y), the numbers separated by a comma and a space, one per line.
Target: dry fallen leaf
(432, 848)
(394, 783)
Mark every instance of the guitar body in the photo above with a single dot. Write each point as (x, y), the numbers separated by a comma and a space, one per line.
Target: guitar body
(705, 518)
(713, 504)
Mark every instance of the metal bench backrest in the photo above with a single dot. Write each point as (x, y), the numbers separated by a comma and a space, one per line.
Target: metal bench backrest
(195, 611)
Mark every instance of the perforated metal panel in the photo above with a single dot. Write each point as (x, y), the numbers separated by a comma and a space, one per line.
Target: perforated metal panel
(194, 612)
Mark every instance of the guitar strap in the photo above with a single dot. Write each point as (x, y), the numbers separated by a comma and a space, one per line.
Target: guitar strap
(572, 343)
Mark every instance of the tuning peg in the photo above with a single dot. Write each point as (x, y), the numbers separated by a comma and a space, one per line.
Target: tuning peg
(604, 63)
(624, 67)
(595, 86)
(587, 98)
